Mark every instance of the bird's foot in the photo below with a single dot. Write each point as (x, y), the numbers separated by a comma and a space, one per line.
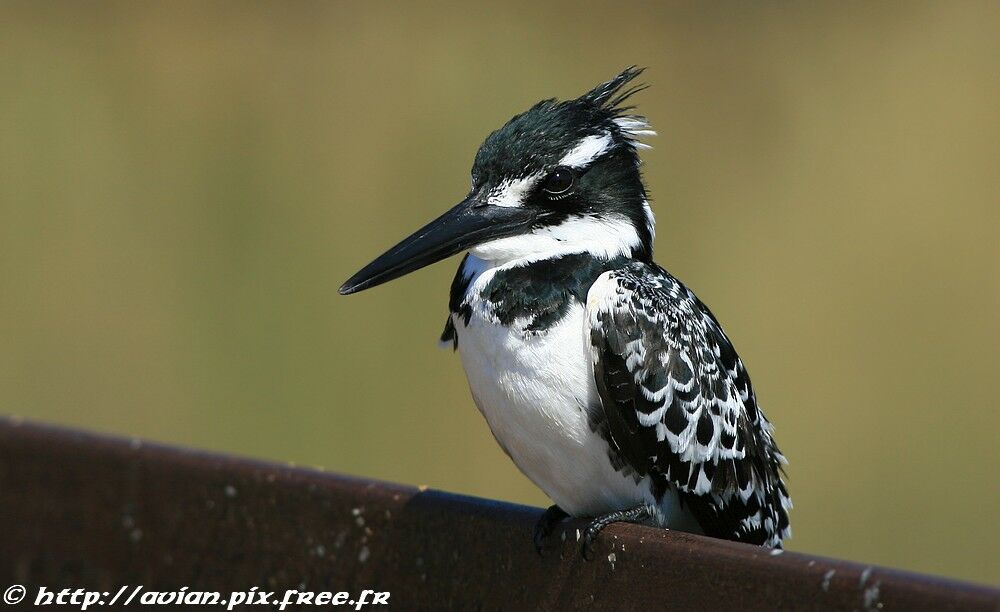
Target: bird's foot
(549, 519)
(639, 514)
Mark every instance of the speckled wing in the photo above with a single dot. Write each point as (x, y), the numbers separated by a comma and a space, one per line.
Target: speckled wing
(677, 405)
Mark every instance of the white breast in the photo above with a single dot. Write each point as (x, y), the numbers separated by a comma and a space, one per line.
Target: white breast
(534, 391)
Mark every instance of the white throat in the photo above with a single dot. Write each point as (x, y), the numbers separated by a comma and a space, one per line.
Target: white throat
(605, 237)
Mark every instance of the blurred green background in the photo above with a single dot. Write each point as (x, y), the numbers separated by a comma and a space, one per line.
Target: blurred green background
(184, 186)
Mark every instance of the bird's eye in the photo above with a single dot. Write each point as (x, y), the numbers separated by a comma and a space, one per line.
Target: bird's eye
(559, 181)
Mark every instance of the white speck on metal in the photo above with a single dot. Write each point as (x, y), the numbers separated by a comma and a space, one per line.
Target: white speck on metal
(827, 577)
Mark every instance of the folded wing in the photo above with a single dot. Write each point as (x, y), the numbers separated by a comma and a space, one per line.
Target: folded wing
(677, 405)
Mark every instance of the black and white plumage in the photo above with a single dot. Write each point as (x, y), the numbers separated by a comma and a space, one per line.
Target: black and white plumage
(678, 405)
(607, 382)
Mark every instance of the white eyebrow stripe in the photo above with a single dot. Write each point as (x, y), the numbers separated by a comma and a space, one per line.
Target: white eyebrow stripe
(511, 193)
(587, 150)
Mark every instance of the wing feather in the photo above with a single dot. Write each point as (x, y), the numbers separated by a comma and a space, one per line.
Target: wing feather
(677, 404)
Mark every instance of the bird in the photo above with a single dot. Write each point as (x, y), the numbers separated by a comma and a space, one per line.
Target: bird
(610, 385)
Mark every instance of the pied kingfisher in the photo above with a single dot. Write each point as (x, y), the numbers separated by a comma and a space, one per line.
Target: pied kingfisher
(606, 381)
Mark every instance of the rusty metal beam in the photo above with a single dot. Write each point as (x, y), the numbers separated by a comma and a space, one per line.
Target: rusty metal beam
(84, 510)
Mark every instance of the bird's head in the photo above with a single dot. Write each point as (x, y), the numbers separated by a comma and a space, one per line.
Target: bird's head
(560, 178)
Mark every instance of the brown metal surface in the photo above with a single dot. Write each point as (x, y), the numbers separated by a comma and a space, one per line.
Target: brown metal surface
(82, 510)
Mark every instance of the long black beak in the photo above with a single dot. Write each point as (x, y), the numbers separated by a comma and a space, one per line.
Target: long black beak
(469, 223)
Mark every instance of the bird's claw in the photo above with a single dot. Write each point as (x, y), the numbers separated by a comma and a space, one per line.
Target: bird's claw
(545, 525)
(588, 542)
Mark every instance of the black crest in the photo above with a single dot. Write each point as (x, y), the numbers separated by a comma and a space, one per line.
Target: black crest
(610, 95)
(538, 137)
